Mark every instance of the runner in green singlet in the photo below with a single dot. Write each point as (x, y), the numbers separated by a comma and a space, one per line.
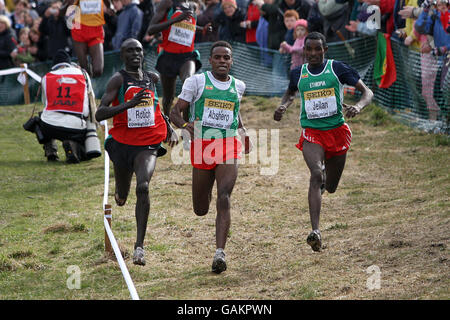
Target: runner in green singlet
(325, 137)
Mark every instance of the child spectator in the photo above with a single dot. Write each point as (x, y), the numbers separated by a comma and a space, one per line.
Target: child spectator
(38, 46)
(290, 18)
(433, 21)
(22, 53)
(296, 50)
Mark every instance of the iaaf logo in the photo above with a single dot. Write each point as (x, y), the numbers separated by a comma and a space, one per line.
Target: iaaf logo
(66, 80)
(73, 15)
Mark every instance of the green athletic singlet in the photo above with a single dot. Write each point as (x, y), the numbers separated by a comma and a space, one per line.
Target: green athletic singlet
(217, 110)
(321, 99)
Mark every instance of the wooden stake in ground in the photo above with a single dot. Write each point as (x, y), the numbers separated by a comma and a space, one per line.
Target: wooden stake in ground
(108, 247)
(26, 89)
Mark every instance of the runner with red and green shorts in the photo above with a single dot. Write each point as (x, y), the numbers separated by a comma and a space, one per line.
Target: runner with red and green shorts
(325, 137)
(212, 100)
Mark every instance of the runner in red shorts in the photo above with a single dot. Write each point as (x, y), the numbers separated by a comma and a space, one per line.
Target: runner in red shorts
(87, 20)
(213, 100)
(325, 137)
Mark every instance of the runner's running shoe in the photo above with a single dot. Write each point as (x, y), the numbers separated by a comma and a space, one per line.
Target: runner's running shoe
(138, 256)
(219, 265)
(315, 240)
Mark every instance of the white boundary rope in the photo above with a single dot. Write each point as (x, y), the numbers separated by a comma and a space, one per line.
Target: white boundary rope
(112, 239)
(31, 73)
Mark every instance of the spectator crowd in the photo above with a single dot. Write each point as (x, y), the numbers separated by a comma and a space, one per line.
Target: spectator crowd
(34, 30)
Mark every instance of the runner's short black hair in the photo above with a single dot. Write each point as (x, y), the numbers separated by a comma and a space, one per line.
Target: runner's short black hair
(220, 43)
(317, 36)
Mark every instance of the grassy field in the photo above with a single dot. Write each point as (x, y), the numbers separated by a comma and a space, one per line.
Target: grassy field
(390, 214)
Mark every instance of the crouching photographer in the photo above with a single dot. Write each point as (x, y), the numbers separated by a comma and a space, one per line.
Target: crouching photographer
(68, 115)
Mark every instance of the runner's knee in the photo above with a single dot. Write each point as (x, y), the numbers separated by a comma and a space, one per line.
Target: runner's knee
(142, 188)
(201, 210)
(316, 177)
(223, 199)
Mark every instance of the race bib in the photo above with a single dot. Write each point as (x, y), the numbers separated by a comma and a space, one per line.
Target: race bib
(91, 6)
(142, 115)
(182, 33)
(320, 103)
(218, 114)
(65, 93)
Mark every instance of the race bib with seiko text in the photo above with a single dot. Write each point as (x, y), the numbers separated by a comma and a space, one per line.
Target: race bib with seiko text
(320, 103)
(218, 114)
(182, 33)
(142, 115)
(91, 6)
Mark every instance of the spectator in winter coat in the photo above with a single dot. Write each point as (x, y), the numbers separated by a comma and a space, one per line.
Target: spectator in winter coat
(38, 46)
(290, 18)
(251, 23)
(315, 20)
(129, 23)
(230, 22)
(54, 28)
(296, 50)
(206, 18)
(335, 14)
(273, 13)
(7, 43)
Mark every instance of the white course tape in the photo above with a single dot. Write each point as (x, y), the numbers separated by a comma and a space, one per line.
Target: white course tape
(113, 241)
(31, 73)
(122, 264)
(105, 193)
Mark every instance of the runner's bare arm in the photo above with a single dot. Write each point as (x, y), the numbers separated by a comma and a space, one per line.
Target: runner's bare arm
(286, 101)
(245, 138)
(177, 118)
(104, 111)
(156, 25)
(366, 97)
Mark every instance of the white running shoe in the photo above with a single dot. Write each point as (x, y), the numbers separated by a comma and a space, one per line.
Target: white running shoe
(138, 256)
(219, 265)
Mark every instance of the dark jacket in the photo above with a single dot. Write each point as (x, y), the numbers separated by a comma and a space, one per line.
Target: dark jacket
(7, 45)
(129, 25)
(56, 33)
(229, 29)
(273, 13)
(207, 16)
(42, 47)
(147, 9)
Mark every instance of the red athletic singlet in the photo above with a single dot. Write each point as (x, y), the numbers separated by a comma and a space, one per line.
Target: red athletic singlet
(179, 37)
(142, 125)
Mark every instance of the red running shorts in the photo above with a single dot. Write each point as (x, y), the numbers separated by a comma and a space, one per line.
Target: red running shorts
(88, 34)
(335, 141)
(208, 153)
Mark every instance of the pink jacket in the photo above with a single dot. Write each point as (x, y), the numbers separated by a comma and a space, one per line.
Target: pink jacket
(296, 51)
